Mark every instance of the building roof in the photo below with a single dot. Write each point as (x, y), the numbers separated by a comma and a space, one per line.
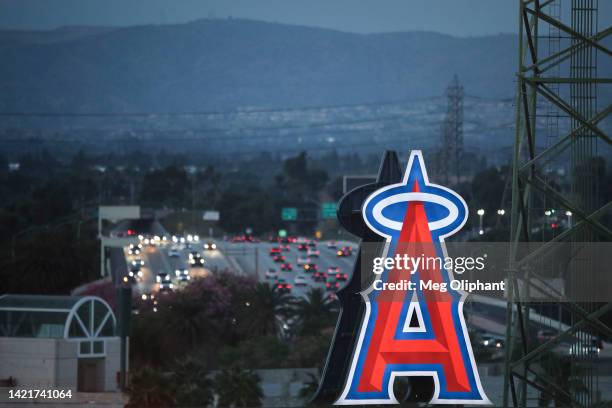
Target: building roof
(69, 317)
(38, 302)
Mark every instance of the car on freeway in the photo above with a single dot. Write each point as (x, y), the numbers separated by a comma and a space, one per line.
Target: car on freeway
(174, 252)
(312, 243)
(195, 259)
(286, 247)
(545, 335)
(147, 240)
(286, 266)
(313, 253)
(300, 280)
(166, 286)
(135, 272)
(210, 246)
(301, 260)
(332, 286)
(333, 269)
(319, 276)
(344, 251)
(137, 262)
(135, 249)
(492, 341)
(163, 276)
(332, 244)
(271, 273)
(279, 258)
(341, 277)
(302, 247)
(283, 286)
(582, 349)
(182, 274)
(310, 267)
(274, 251)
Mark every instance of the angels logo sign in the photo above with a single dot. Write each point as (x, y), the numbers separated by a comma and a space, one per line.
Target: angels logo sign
(414, 217)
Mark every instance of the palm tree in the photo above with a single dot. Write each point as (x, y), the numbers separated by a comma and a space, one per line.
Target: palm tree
(263, 309)
(314, 312)
(184, 317)
(192, 387)
(238, 388)
(148, 388)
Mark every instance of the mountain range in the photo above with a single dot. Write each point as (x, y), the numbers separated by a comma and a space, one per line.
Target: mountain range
(220, 64)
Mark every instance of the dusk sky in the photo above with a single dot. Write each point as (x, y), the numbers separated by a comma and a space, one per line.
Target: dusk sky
(456, 17)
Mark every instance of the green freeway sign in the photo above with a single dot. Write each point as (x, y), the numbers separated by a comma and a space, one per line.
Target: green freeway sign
(289, 214)
(328, 210)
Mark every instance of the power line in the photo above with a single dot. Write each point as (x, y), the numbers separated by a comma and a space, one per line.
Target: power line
(209, 113)
(244, 132)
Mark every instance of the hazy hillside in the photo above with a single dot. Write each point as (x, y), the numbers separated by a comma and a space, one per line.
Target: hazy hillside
(221, 64)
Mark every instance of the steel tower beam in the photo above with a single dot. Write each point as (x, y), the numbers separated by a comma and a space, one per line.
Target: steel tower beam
(557, 78)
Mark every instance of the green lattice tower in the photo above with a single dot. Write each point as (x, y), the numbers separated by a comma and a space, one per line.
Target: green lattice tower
(555, 79)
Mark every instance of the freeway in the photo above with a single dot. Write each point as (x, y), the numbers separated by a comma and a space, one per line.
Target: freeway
(243, 258)
(254, 259)
(157, 260)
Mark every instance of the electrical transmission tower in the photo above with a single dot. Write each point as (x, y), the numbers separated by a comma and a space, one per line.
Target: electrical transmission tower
(452, 134)
(556, 200)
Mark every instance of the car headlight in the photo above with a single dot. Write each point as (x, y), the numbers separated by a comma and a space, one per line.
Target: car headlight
(140, 273)
(131, 274)
(171, 286)
(214, 246)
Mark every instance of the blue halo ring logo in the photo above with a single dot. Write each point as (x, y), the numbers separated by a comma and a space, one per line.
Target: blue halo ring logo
(384, 211)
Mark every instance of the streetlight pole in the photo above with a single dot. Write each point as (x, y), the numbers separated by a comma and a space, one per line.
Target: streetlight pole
(480, 213)
(569, 214)
(547, 213)
(500, 213)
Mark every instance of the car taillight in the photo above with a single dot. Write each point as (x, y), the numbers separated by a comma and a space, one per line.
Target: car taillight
(280, 286)
(288, 286)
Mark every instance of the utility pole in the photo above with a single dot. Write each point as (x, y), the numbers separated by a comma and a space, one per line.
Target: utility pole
(451, 151)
